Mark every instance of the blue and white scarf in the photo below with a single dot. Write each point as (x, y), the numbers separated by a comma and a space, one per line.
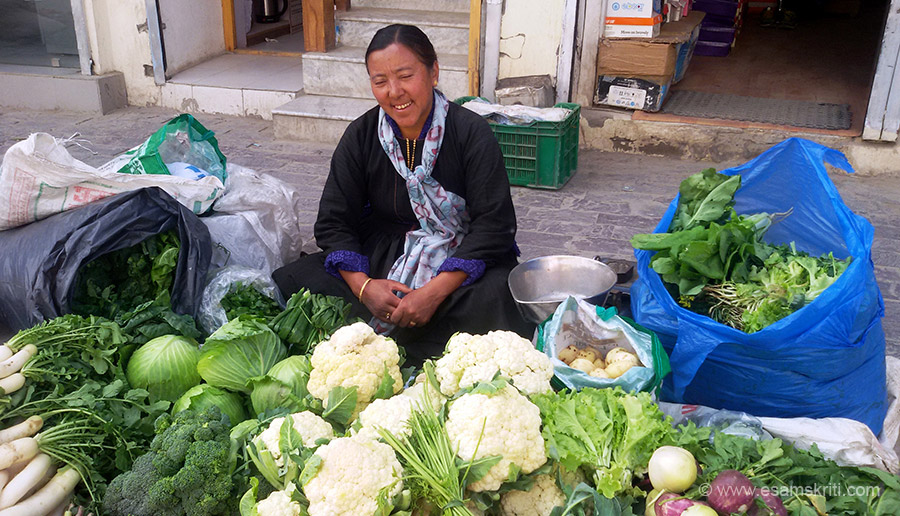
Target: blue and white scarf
(442, 215)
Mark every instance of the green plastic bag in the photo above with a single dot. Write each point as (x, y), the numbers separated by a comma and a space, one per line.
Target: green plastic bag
(180, 143)
(581, 323)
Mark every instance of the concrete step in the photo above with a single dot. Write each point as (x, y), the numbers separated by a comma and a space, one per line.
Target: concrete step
(448, 31)
(46, 88)
(456, 6)
(235, 84)
(342, 72)
(318, 118)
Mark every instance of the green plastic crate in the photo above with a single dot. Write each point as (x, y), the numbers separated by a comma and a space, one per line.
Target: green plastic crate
(541, 154)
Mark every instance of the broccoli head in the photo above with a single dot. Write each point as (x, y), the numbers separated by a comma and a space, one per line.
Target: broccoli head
(188, 471)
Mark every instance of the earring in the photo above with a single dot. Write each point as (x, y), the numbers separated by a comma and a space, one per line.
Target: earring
(435, 83)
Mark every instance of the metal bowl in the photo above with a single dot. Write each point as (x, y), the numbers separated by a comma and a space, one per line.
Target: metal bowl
(539, 285)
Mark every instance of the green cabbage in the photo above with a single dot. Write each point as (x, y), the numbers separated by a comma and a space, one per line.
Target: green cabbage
(284, 386)
(203, 396)
(165, 366)
(239, 350)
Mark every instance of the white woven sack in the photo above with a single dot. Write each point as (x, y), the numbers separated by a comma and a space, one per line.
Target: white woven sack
(38, 177)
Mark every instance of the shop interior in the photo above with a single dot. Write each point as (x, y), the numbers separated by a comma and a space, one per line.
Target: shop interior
(826, 54)
(275, 26)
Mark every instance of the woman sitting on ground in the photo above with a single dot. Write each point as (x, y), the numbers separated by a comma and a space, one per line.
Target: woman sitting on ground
(416, 221)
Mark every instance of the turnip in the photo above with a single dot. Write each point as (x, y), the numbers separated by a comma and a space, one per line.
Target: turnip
(699, 509)
(672, 468)
(730, 492)
(671, 504)
(772, 501)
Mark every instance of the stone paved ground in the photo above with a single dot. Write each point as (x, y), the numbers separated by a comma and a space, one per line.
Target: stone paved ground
(611, 197)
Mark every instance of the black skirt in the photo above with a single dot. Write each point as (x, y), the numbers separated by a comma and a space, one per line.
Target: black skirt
(478, 308)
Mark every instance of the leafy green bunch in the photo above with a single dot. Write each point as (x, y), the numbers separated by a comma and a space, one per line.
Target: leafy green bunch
(119, 281)
(608, 432)
(716, 263)
(246, 299)
(812, 484)
(308, 319)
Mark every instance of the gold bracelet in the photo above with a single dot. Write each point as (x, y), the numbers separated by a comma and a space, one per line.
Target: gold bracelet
(363, 288)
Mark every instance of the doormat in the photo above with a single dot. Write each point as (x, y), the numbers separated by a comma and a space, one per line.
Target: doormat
(796, 113)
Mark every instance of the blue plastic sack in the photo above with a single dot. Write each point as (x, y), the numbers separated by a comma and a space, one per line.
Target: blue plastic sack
(825, 360)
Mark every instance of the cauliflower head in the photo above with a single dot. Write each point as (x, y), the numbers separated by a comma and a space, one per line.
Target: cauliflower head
(279, 503)
(354, 356)
(543, 496)
(310, 427)
(393, 413)
(512, 429)
(469, 359)
(353, 471)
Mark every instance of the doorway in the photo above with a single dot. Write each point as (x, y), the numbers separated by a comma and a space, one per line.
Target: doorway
(268, 27)
(827, 55)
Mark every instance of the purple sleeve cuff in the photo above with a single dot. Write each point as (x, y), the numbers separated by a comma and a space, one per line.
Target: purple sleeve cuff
(345, 261)
(474, 268)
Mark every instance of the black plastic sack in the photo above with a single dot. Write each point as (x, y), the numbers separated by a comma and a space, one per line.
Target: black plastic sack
(39, 262)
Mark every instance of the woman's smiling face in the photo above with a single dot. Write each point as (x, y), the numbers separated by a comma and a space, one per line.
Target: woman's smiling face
(403, 86)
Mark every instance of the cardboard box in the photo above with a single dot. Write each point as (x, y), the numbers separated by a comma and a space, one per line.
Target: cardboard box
(667, 54)
(633, 8)
(632, 27)
(639, 93)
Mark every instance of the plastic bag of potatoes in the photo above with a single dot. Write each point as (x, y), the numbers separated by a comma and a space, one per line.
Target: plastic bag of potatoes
(591, 346)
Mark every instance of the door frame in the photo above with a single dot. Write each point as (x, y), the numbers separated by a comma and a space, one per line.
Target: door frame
(883, 114)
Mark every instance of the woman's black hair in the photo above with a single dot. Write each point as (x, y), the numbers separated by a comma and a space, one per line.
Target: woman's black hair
(409, 36)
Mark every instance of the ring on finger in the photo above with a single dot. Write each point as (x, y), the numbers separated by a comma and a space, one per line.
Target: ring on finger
(412, 323)
(387, 315)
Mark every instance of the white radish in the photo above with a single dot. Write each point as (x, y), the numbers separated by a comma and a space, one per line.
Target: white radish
(42, 481)
(12, 383)
(26, 428)
(4, 478)
(29, 477)
(60, 509)
(14, 363)
(20, 450)
(58, 489)
(5, 352)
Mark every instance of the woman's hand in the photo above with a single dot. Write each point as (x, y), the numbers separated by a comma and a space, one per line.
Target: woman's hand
(418, 306)
(381, 299)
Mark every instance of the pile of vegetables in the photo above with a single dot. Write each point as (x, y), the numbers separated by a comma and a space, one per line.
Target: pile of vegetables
(302, 412)
(716, 263)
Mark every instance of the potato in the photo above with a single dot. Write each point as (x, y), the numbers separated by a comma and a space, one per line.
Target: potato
(590, 354)
(568, 354)
(598, 372)
(600, 363)
(617, 354)
(617, 369)
(582, 364)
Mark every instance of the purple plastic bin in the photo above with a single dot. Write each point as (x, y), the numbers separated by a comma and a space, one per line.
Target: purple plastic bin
(719, 21)
(722, 8)
(712, 48)
(714, 33)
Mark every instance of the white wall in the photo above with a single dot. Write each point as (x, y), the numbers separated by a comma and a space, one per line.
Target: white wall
(120, 43)
(193, 32)
(530, 33)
